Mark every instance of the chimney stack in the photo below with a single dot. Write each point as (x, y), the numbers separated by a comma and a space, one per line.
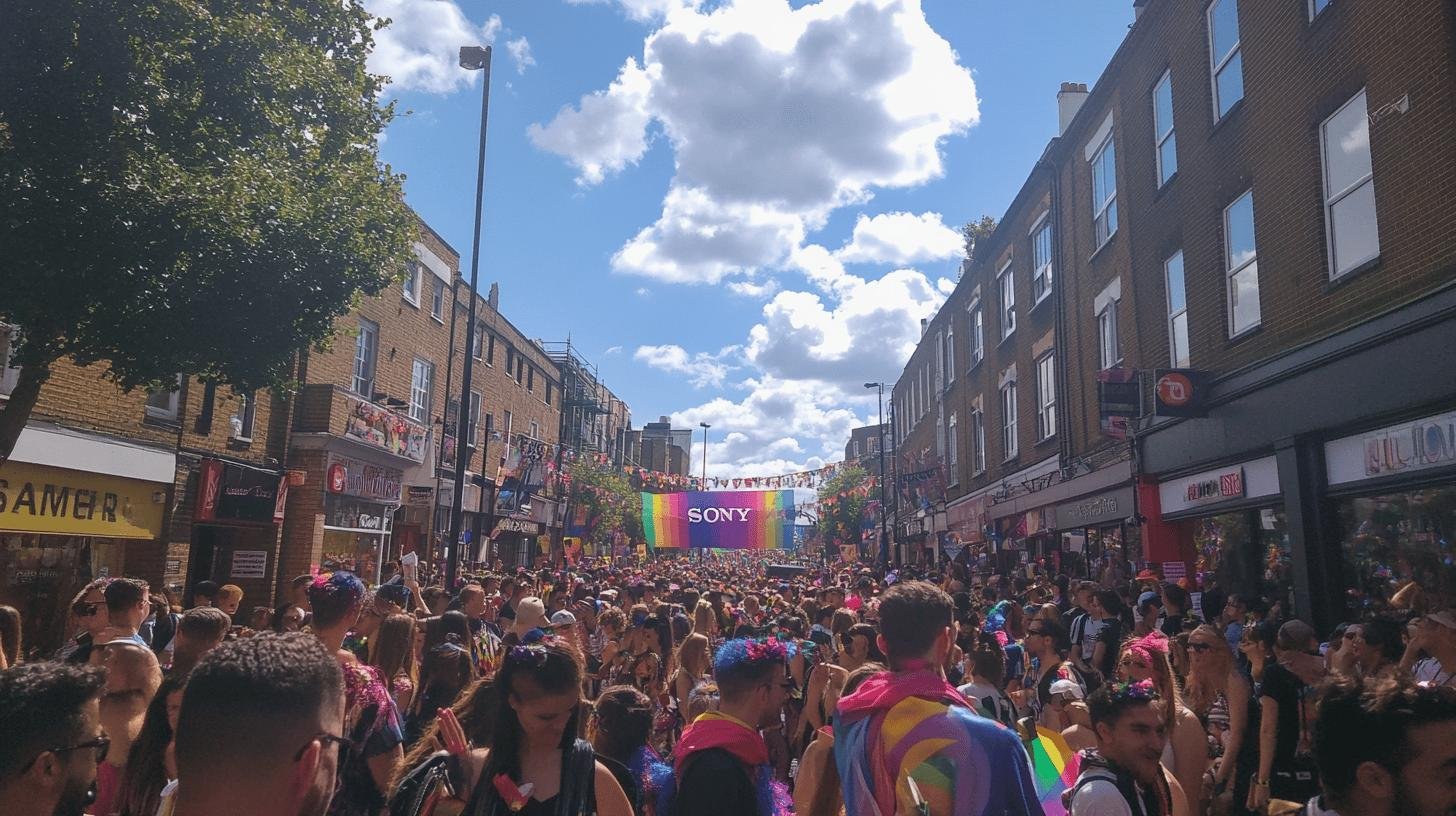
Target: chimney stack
(1069, 101)
(494, 297)
(923, 325)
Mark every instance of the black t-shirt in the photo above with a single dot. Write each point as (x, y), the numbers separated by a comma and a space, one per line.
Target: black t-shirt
(1111, 638)
(1172, 624)
(1284, 688)
(715, 783)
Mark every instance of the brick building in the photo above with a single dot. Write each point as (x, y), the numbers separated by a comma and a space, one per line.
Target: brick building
(864, 446)
(1224, 138)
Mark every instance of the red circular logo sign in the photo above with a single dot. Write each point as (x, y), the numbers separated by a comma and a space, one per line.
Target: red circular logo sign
(338, 478)
(1175, 390)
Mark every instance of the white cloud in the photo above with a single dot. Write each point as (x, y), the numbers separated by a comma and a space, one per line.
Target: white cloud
(613, 350)
(420, 49)
(702, 369)
(643, 10)
(777, 116)
(901, 238)
(520, 51)
(605, 132)
(754, 289)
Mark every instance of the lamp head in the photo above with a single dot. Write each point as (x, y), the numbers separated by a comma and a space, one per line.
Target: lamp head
(473, 57)
(704, 425)
(872, 385)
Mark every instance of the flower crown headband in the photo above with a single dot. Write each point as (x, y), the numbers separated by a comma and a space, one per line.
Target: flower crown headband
(1143, 691)
(533, 650)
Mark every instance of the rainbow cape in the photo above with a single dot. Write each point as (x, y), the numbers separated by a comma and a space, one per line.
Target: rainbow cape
(902, 726)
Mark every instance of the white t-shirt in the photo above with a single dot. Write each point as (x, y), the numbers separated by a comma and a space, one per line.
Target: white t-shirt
(1085, 635)
(1100, 797)
(1429, 670)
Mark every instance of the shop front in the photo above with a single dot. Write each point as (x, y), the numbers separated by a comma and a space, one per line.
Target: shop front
(236, 510)
(360, 501)
(1095, 540)
(518, 541)
(1228, 527)
(1391, 506)
(61, 527)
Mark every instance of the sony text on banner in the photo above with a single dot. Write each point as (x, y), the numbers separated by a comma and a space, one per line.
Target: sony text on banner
(728, 520)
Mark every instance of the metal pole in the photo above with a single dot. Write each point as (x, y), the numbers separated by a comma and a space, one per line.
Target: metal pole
(452, 547)
(880, 434)
(705, 455)
(480, 528)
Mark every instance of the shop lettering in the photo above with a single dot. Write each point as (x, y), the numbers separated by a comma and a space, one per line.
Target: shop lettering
(1421, 445)
(58, 500)
(1223, 486)
(713, 515)
(1104, 506)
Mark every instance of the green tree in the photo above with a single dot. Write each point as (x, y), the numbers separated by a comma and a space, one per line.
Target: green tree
(842, 501)
(606, 494)
(188, 187)
(974, 232)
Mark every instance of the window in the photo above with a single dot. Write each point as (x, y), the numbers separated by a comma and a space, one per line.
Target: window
(437, 301)
(1006, 285)
(490, 349)
(9, 374)
(978, 335)
(948, 364)
(1046, 391)
(508, 426)
(1242, 267)
(1008, 420)
(242, 426)
(1227, 61)
(1108, 354)
(1350, 226)
(1163, 128)
(535, 430)
(548, 392)
(1041, 261)
(855, 448)
(952, 455)
(1177, 311)
(510, 362)
(1316, 6)
(366, 352)
(422, 382)
(520, 368)
(1104, 193)
(162, 405)
(479, 350)
(978, 441)
(412, 281)
(531, 379)
(473, 431)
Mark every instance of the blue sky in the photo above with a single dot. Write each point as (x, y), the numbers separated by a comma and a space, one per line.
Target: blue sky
(738, 209)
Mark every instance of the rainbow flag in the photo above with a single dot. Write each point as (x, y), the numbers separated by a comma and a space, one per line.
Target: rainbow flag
(726, 520)
(1054, 768)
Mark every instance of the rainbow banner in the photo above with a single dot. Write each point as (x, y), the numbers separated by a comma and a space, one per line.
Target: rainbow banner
(726, 520)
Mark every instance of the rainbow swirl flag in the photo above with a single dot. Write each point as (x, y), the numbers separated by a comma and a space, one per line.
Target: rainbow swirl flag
(726, 520)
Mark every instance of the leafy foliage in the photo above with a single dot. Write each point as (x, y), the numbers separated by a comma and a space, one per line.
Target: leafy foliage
(842, 501)
(607, 495)
(974, 232)
(189, 185)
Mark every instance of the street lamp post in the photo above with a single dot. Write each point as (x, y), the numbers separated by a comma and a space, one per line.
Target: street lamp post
(705, 426)
(472, 58)
(880, 443)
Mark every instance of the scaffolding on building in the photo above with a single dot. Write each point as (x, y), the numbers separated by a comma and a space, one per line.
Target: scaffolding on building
(585, 401)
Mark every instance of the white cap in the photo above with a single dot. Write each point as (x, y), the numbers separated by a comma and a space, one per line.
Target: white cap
(1067, 687)
(563, 618)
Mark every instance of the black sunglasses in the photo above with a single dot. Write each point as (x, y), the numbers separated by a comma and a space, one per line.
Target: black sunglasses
(100, 745)
(346, 746)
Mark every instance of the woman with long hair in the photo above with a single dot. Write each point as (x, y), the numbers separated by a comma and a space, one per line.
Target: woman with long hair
(392, 651)
(1186, 751)
(693, 662)
(444, 672)
(534, 757)
(705, 623)
(1218, 693)
(816, 791)
(1256, 644)
(620, 725)
(10, 651)
(645, 675)
(1379, 647)
(149, 764)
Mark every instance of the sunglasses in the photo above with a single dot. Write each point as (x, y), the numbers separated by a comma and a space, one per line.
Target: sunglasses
(84, 610)
(100, 745)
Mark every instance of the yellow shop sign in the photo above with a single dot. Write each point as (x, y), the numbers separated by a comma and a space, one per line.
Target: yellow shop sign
(38, 499)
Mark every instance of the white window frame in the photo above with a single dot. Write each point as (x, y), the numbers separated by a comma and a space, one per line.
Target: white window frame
(1109, 350)
(948, 364)
(1175, 313)
(366, 356)
(437, 300)
(422, 388)
(1230, 273)
(1333, 198)
(247, 417)
(1104, 212)
(1046, 390)
(1162, 137)
(412, 282)
(168, 411)
(1006, 296)
(509, 422)
(978, 335)
(978, 441)
(1010, 442)
(1217, 64)
(1041, 273)
(479, 351)
(473, 418)
(535, 429)
(952, 455)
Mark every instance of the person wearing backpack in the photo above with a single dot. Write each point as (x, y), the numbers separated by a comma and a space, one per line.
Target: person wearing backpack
(1123, 776)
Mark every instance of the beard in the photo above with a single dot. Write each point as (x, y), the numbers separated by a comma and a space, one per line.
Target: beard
(75, 798)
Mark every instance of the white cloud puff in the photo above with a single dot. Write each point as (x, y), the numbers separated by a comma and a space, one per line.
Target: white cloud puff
(520, 51)
(605, 132)
(420, 48)
(901, 238)
(701, 369)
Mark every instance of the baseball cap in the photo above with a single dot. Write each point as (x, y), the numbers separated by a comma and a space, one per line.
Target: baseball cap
(1149, 598)
(530, 614)
(1147, 575)
(563, 619)
(1068, 687)
(397, 594)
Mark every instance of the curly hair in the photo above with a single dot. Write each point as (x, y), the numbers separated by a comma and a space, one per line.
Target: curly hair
(743, 664)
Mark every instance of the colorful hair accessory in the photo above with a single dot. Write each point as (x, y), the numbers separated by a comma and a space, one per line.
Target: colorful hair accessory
(1142, 691)
(747, 651)
(513, 795)
(451, 644)
(1145, 647)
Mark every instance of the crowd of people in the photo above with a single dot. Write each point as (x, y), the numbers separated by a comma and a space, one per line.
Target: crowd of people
(725, 684)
